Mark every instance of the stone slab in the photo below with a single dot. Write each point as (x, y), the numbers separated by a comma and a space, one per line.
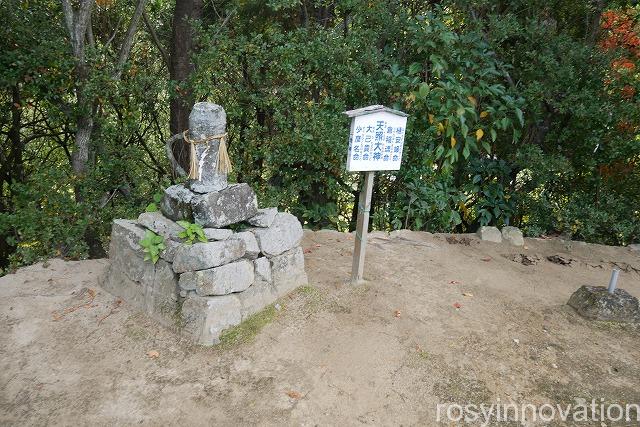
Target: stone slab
(287, 271)
(204, 318)
(176, 203)
(233, 277)
(596, 303)
(512, 235)
(201, 256)
(252, 248)
(217, 233)
(264, 217)
(160, 224)
(259, 295)
(284, 234)
(262, 269)
(236, 203)
(489, 234)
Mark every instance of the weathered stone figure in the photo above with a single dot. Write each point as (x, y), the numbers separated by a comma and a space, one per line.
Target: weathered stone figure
(207, 129)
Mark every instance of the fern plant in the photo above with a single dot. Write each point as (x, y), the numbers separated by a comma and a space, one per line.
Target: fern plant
(191, 232)
(152, 245)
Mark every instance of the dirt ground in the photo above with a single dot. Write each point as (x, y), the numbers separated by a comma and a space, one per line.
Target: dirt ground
(382, 353)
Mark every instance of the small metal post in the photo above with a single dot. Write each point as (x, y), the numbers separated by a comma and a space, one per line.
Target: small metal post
(364, 204)
(613, 282)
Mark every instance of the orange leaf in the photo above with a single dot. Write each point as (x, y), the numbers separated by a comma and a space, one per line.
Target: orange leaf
(293, 394)
(484, 114)
(457, 305)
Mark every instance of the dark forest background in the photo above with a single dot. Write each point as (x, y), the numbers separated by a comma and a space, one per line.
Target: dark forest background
(522, 112)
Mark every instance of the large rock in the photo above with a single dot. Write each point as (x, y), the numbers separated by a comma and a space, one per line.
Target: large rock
(287, 271)
(489, 234)
(264, 217)
(512, 235)
(206, 120)
(252, 248)
(171, 247)
(233, 277)
(595, 302)
(262, 268)
(217, 233)
(201, 256)
(160, 224)
(258, 296)
(176, 203)
(284, 233)
(204, 318)
(152, 288)
(236, 203)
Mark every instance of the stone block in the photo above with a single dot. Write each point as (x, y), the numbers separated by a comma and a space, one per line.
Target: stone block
(170, 251)
(284, 233)
(176, 203)
(512, 235)
(233, 277)
(201, 256)
(596, 303)
(264, 217)
(287, 271)
(259, 295)
(160, 224)
(489, 234)
(217, 233)
(262, 268)
(252, 248)
(236, 203)
(204, 318)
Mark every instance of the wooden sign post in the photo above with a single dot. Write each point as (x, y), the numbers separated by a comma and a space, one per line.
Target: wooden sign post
(376, 141)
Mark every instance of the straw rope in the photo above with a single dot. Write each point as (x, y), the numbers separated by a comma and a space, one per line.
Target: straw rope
(223, 163)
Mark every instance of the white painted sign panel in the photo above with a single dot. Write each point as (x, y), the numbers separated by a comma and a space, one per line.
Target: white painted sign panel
(376, 139)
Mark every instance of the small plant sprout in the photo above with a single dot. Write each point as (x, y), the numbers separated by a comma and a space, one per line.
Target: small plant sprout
(153, 206)
(153, 244)
(191, 232)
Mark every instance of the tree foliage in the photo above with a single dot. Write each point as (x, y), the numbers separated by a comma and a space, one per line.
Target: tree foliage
(521, 112)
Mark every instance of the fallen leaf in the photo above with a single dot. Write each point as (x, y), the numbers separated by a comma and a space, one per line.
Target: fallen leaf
(516, 340)
(397, 313)
(454, 282)
(467, 294)
(293, 394)
(153, 354)
(457, 305)
(317, 245)
(307, 251)
(487, 259)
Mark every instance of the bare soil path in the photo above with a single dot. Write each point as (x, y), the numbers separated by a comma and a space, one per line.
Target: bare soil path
(383, 353)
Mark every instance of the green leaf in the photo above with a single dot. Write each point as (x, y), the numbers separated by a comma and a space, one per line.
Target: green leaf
(520, 116)
(494, 134)
(423, 90)
(184, 224)
(151, 207)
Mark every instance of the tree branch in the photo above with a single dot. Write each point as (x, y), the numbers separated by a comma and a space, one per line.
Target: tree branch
(127, 44)
(156, 40)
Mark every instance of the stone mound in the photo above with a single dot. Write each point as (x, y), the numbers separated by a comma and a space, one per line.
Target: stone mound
(205, 288)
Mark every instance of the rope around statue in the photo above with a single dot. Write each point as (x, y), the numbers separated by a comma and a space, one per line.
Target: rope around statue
(223, 163)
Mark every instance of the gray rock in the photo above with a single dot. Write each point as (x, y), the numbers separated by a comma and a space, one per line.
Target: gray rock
(152, 288)
(207, 119)
(264, 217)
(176, 203)
(635, 247)
(252, 249)
(170, 252)
(489, 234)
(284, 233)
(217, 233)
(160, 224)
(596, 303)
(262, 268)
(236, 203)
(258, 296)
(201, 256)
(204, 318)
(233, 277)
(512, 235)
(287, 271)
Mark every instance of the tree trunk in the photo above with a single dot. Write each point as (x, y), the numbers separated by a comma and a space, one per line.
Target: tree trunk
(180, 69)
